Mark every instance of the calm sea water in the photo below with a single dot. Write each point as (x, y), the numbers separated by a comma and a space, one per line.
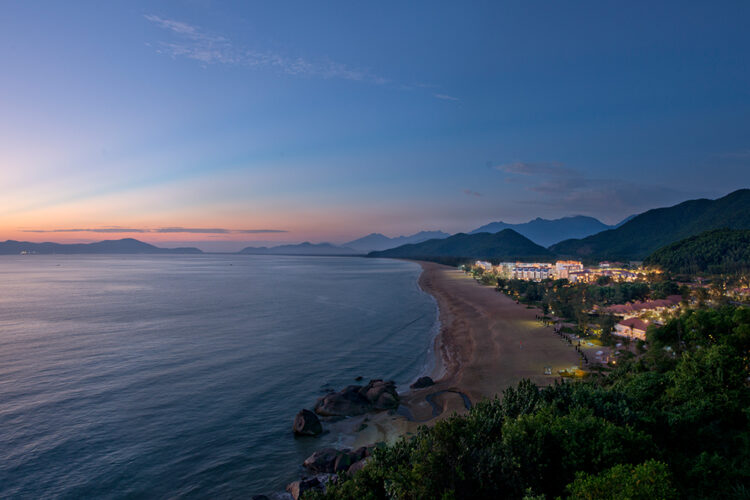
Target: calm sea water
(172, 376)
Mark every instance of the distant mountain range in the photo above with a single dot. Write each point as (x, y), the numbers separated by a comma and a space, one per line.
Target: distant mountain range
(125, 245)
(377, 241)
(545, 232)
(305, 248)
(651, 230)
(506, 244)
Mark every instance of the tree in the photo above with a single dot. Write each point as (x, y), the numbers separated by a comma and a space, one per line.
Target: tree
(646, 481)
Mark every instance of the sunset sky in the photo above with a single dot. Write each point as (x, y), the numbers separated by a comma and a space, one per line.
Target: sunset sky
(203, 122)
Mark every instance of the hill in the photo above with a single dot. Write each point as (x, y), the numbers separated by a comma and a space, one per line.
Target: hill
(645, 233)
(305, 248)
(123, 246)
(504, 245)
(377, 241)
(717, 251)
(545, 232)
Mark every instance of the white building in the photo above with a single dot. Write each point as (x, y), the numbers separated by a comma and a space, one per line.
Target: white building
(487, 266)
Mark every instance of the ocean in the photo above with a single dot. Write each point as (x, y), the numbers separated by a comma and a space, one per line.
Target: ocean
(180, 376)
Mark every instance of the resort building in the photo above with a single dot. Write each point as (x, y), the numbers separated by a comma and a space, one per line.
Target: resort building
(563, 268)
(634, 309)
(487, 266)
(532, 272)
(633, 328)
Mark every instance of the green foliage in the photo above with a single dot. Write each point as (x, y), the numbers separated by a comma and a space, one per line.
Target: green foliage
(645, 481)
(719, 251)
(674, 423)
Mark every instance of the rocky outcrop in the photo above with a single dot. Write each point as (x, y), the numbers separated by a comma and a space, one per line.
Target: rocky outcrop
(357, 399)
(422, 382)
(306, 423)
(332, 461)
(297, 488)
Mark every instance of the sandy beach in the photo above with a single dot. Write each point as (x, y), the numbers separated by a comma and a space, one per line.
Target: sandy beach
(486, 343)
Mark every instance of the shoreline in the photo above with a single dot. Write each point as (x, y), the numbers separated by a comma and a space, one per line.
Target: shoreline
(485, 343)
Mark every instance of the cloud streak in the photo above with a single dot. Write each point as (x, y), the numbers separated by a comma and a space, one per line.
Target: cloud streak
(191, 42)
(528, 168)
(469, 192)
(161, 230)
(209, 48)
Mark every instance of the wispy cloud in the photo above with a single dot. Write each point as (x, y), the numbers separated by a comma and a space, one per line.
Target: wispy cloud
(209, 48)
(528, 168)
(190, 230)
(446, 97)
(192, 42)
(559, 187)
(469, 192)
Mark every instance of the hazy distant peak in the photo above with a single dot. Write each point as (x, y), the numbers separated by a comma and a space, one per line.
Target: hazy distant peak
(545, 232)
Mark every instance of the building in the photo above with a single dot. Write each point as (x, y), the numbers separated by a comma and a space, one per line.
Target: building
(563, 268)
(536, 271)
(633, 328)
(633, 309)
(487, 266)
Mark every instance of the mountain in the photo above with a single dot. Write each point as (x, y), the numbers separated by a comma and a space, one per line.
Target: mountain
(647, 232)
(717, 251)
(623, 221)
(545, 232)
(305, 248)
(377, 241)
(125, 245)
(504, 245)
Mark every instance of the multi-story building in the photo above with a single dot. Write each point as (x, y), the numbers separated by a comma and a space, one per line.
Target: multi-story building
(563, 268)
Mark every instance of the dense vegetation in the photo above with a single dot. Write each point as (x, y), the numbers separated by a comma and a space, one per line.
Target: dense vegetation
(673, 423)
(504, 245)
(721, 251)
(644, 234)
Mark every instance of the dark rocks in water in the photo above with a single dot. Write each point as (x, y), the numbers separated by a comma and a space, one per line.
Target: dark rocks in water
(297, 488)
(359, 378)
(306, 423)
(357, 400)
(322, 460)
(331, 460)
(422, 382)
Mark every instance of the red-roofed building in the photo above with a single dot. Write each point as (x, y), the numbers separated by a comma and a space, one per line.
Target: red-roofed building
(633, 328)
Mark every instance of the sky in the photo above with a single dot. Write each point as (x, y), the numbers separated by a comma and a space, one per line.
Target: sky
(227, 124)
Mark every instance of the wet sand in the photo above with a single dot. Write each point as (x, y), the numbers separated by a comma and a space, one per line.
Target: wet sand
(486, 343)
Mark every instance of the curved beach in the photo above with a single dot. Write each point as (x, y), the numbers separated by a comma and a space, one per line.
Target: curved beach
(486, 343)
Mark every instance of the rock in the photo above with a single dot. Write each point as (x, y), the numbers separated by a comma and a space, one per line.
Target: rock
(422, 382)
(357, 400)
(386, 401)
(343, 462)
(331, 461)
(358, 465)
(359, 378)
(297, 488)
(306, 423)
(323, 461)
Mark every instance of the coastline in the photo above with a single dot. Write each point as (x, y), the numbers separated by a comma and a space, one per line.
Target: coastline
(485, 343)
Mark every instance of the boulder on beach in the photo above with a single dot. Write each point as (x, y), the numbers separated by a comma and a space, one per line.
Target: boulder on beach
(297, 488)
(422, 382)
(306, 423)
(357, 399)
